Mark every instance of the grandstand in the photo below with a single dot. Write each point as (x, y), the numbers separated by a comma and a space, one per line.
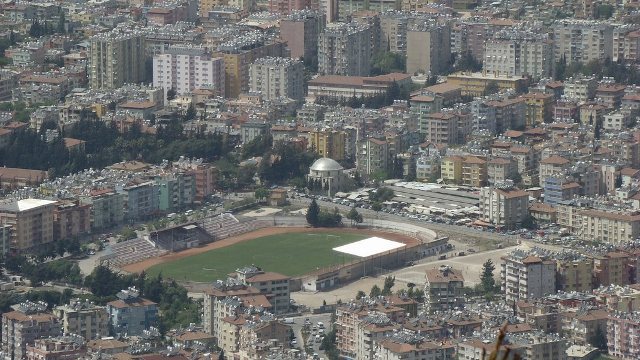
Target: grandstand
(131, 251)
(176, 238)
(227, 225)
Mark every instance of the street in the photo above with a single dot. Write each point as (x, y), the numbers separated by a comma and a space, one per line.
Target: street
(299, 324)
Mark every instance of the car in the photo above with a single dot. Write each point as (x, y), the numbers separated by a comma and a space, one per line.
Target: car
(320, 325)
(461, 253)
(471, 251)
(294, 342)
(442, 257)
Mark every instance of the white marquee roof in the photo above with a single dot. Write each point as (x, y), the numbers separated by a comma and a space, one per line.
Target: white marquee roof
(369, 247)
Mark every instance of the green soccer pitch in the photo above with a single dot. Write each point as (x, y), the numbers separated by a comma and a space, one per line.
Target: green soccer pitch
(290, 254)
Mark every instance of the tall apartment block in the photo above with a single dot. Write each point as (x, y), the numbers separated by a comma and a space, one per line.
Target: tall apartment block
(582, 40)
(275, 77)
(287, 6)
(185, 68)
(115, 59)
(526, 277)
(301, 30)
(428, 48)
(345, 49)
(519, 53)
(239, 53)
(83, 318)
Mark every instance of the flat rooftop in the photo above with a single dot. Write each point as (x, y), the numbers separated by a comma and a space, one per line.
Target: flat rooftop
(369, 247)
(25, 204)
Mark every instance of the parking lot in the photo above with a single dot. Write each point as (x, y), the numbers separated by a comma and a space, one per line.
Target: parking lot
(311, 324)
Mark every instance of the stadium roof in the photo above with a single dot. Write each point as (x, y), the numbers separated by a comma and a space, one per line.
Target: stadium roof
(369, 247)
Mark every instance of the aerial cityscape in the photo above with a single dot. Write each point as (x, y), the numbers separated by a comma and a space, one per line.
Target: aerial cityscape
(319, 180)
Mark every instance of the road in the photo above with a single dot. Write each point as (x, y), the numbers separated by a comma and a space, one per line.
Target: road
(298, 325)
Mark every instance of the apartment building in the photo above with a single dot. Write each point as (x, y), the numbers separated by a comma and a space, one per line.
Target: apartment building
(519, 53)
(509, 114)
(107, 208)
(213, 298)
(28, 322)
(300, 30)
(408, 346)
(116, 58)
(286, 7)
(83, 318)
(31, 221)
(444, 289)
(474, 171)
(623, 330)
(582, 326)
(423, 105)
(370, 329)
(251, 130)
(273, 285)
(609, 226)
(204, 6)
(70, 219)
(443, 128)
(538, 108)
(57, 348)
(574, 272)
(141, 199)
(373, 156)
(451, 169)
(504, 205)
(500, 169)
(184, 68)
(526, 277)
(582, 40)
(345, 49)
(349, 315)
(205, 177)
(175, 191)
(130, 315)
(552, 166)
(240, 53)
(328, 143)
(428, 48)
(275, 77)
(580, 88)
(255, 337)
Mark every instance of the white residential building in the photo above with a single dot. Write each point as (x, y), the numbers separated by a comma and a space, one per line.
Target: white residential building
(525, 276)
(518, 54)
(185, 68)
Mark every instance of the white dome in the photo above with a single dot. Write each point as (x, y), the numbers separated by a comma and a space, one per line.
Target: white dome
(326, 164)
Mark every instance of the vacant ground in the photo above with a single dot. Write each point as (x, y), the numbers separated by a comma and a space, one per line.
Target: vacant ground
(291, 251)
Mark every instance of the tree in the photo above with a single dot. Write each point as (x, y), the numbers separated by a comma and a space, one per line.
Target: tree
(261, 193)
(313, 213)
(354, 216)
(375, 291)
(561, 69)
(191, 113)
(389, 281)
(599, 339)
(382, 194)
(487, 280)
(515, 176)
(376, 206)
(171, 94)
(529, 222)
(61, 29)
(360, 294)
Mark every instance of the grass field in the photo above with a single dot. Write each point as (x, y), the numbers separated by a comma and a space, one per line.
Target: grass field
(290, 254)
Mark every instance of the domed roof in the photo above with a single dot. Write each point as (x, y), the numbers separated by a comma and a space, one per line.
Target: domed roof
(325, 164)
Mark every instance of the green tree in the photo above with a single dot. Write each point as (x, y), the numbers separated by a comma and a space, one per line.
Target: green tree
(385, 62)
(375, 291)
(191, 113)
(313, 213)
(487, 280)
(261, 193)
(354, 216)
(360, 294)
(389, 281)
(599, 339)
(529, 222)
(382, 194)
(61, 28)
(171, 94)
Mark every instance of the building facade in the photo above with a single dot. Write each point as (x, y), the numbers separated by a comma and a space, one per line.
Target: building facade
(276, 77)
(115, 59)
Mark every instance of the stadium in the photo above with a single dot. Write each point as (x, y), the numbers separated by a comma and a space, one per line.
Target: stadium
(317, 258)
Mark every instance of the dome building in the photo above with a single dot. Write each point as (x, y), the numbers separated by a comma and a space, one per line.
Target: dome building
(328, 175)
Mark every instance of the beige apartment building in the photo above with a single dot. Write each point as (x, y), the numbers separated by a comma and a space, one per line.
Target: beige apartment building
(553, 165)
(58, 348)
(31, 221)
(372, 328)
(600, 225)
(428, 48)
(499, 169)
(582, 40)
(115, 59)
(474, 171)
(504, 206)
(372, 156)
(83, 318)
(214, 310)
(275, 286)
(519, 54)
(345, 49)
(276, 77)
(328, 143)
(444, 289)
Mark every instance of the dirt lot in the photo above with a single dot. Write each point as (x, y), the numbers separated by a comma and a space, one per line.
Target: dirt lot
(143, 265)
